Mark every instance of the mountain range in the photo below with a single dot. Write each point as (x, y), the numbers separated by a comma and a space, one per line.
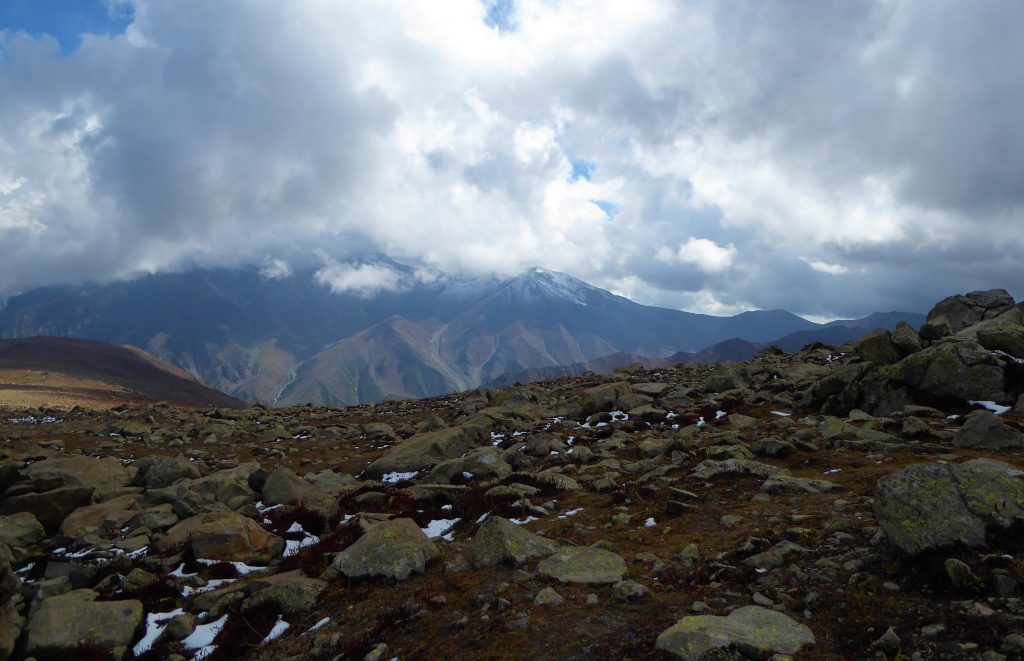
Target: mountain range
(292, 339)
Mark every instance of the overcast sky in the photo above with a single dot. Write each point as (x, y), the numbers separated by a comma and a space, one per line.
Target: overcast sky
(830, 158)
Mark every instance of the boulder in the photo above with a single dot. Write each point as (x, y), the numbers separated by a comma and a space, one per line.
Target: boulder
(283, 487)
(584, 564)
(108, 517)
(1006, 336)
(10, 629)
(330, 481)
(710, 468)
(752, 630)
(394, 549)
(63, 622)
(49, 507)
(105, 475)
(877, 347)
(500, 541)
(159, 472)
(984, 429)
(784, 482)
(931, 506)
(483, 463)
(427, 449)
(290, 593)
(605, 397)
(21, 530)
(954, 313)
(224, 536)
(222, 490)
(906, 338)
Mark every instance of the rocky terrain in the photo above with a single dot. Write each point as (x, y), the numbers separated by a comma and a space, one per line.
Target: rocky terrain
(850, 502)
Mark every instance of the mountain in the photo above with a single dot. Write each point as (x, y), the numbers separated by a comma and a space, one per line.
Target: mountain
(292, 339)
(42, 371)
(731, 350)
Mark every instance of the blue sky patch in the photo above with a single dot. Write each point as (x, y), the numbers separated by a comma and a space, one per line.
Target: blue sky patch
(582, 170)
(610, 209)
(500, 14)
(65, 20)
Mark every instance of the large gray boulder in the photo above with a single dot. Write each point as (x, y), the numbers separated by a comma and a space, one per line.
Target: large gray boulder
(225, 536)
(584, 564)
(105, 475)
(222, 490)
(49, 507)
(21, 530)
(159, 472)
(955, 313)
(752, 630)
(931, 506)
(427, 449)
(500, 541)
(63, 622)
(394, 549)
(984, 429)
(877, 347)
(283, 487)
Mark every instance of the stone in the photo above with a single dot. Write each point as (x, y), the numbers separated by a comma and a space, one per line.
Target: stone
(63, 622)
(289, 593)
(10, 629)
(629, 590)
(584, 564)
(776, 556)
(606, 397)
(888, 641)
(394, 549)
(877, 347)
(931, 506)
(21, 530)
(105, 475)
(49, 507)
(960, 574)
(283, 487)
(106, 517)
(784, 482)
(498, 540)
(1007, 337)
(710, 468)
(221, 490)
(986, 430)
(159, 472)
(751, 629)
(548, 597)
(427, 449)
(772, 447)
(955, 313)
(137, 580)
(227, 536)
(906, 338)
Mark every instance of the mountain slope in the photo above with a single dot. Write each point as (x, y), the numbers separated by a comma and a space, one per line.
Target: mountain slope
(293, 339)
(58, 368)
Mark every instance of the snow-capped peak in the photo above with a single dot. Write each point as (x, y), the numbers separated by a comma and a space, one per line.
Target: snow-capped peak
(553, 284)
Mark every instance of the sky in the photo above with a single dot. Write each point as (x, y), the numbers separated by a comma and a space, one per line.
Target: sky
(832, 158)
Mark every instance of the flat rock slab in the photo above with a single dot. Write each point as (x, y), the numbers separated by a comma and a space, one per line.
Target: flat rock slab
(930, 506)
(584, 564)
(984, 429)
(500, 541)
(65, 621)
(752, 629)
(224, 536)
(394, 549)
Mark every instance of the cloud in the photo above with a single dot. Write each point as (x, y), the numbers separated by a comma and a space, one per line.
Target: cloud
(825, 267)
(704, 253)
(275, 269)
(363, 280)
(727, 141)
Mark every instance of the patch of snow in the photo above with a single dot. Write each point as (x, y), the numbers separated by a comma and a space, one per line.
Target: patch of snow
(296, 527)
(204, 634)
(952, 417)
(496, 438)
(568, 513)
(671, 415)
(720, 414)
(482, 518)
(619, 416)
(439, 527)
(180, 572)
(833, 471)
(650, 522)
(991, 406)
(1000, 352)
(210, 586)
(447, 508)
(242, 568)
(700, 421)
(319, 625)
(781, 414)
(467, 475)
(292, 546)
(570, 440)
(155, 625)
(528, 519)
(391, 478)
(276, 632)
(518, 433)
(346, 518)
(33, 420)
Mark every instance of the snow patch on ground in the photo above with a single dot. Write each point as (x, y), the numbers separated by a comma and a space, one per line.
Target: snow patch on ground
(155, 625)
(439, 527)
(991, 406)
(391, 478)
(276, 632)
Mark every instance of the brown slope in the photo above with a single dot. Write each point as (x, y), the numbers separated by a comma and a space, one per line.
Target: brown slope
(125, 373)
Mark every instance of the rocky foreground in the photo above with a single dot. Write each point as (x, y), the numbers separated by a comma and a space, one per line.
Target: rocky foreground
(840, 502)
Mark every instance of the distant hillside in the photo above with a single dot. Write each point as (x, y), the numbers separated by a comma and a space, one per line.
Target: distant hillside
(62, 370)
(293, 340)
(732, 350)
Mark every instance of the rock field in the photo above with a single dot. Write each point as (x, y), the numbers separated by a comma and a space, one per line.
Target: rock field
(850, 502)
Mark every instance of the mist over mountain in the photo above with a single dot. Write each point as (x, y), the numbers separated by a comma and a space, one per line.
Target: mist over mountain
(297, 337)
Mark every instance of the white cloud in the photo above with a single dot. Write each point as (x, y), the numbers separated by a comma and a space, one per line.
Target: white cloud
(363, 280)
(703, 253)
(275, 269)
(825, 267)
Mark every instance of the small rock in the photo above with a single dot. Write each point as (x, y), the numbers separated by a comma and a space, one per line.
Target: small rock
(548, 597)
(629, 591)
